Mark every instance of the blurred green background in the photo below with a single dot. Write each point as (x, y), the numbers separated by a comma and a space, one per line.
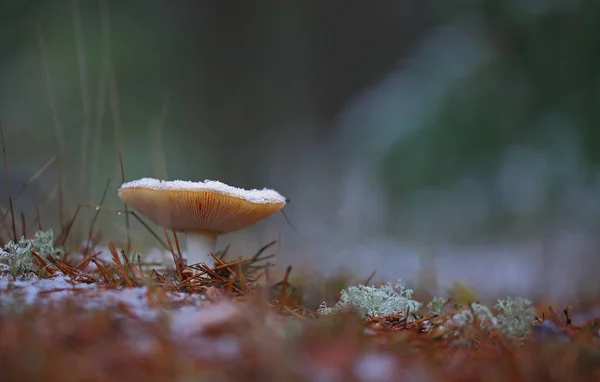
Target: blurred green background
(462, 133)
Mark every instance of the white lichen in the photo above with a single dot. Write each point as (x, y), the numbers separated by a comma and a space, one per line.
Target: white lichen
(372, 301)
(512, 317)
(436, 305)
(476, 313)
(17, 258)
(515, 316)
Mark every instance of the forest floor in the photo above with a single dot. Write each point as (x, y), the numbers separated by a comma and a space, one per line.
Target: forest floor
(106, 316)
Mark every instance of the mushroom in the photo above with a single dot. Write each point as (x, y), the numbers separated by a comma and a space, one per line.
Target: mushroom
(200, 210)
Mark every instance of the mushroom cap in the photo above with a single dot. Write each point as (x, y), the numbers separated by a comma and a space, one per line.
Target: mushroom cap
(200, 206)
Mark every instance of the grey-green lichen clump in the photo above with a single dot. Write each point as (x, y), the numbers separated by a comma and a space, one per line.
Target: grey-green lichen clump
(436, 305)
(16, 258)
(477, 313)
(513, 317)
(372, 301)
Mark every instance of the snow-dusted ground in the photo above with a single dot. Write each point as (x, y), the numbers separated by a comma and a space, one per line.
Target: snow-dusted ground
(189, 317)
(187, 312)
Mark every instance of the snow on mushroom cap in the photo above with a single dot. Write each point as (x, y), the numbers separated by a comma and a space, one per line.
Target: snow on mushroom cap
(253, 196)
(200, 206)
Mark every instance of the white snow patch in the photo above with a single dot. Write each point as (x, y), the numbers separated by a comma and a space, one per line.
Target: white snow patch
(88, 296)
(156, 255)
(189, 320)
(225, 347)
(29, 289)
(375, 367)
(263, 196)
(189, 315)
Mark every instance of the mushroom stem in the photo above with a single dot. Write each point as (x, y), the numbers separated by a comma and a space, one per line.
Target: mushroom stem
(199, 245)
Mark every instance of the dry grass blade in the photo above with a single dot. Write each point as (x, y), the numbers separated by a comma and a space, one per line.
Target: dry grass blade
(117, 262)
(73, 273)
(7, 177)
(132, 213)
(147, 227)
(207, 276)
(257, 257)
(61, 194)
(38, 219)
(213, 272)
(177, 246)
(224, 252)
(125, 206)
(42, 263)
(107, 278)
(179, 265)
(31, 180)
(159, 163)
(288, 220)
(84, 92)
(242, 279)
(137, 274)
(114, 105)
(58, 130)
(370, 278)
(101, 92)
(62, 238)
(139, 263)
(56, 117)
(86, 260)
(88, 243)
(220, 264)
(23, 225)
(283, 292)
